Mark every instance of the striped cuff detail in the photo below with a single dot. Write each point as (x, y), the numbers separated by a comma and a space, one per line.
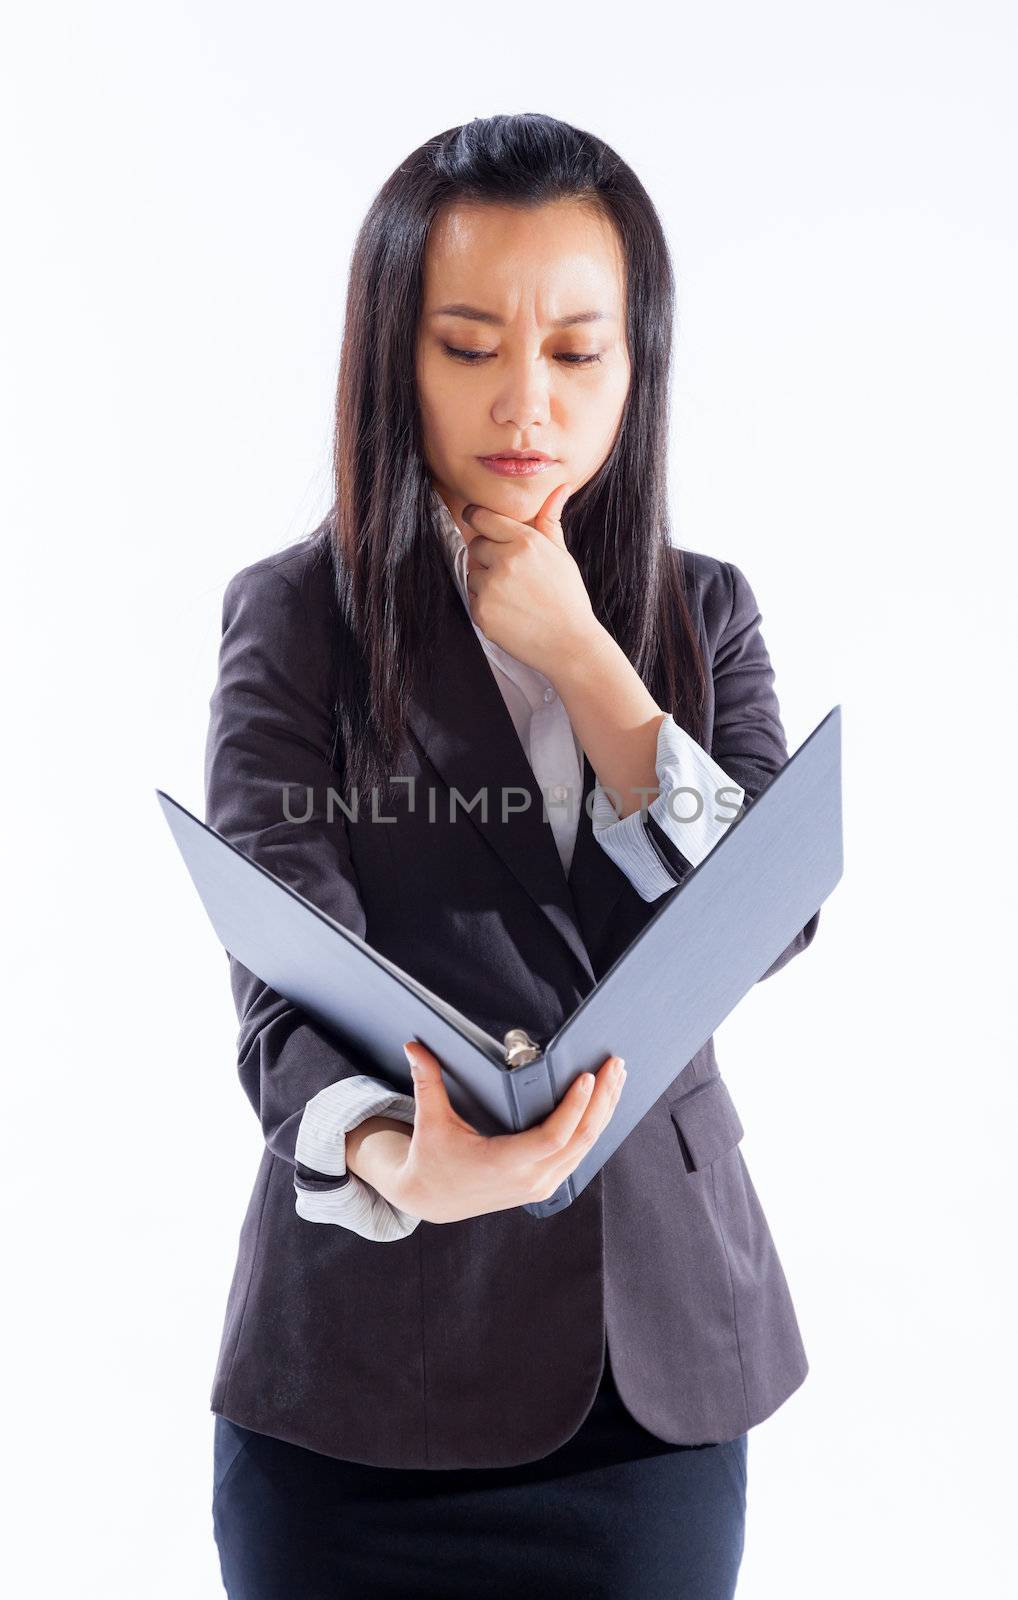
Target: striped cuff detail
(359, 1207)
(625, 840)
(321, 1145)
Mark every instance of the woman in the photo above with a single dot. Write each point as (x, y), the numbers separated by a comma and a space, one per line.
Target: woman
(421, 1389)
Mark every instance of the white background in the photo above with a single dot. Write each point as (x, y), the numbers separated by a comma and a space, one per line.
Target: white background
(182, 189)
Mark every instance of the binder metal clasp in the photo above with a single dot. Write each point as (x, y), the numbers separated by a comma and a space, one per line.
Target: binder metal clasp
(520, 1048)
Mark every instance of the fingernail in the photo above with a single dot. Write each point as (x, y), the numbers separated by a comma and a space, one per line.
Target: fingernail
(408, 1052)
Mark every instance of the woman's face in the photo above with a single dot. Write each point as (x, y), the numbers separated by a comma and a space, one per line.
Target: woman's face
(524, 383)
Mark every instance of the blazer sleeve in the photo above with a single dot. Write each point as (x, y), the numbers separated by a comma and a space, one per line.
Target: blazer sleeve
(749, 740)
(268, 780)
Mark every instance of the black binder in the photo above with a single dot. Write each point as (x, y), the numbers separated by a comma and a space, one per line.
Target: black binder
(709, 942)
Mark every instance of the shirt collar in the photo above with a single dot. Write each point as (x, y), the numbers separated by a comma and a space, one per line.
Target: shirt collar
(454, 548)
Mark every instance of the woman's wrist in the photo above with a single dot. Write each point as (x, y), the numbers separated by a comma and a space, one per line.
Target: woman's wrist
(376, 1147)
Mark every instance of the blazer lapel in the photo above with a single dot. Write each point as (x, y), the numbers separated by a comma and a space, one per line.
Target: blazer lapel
(463, 724)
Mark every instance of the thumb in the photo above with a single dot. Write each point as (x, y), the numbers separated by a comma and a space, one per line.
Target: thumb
(429, 1089)
(549, 519)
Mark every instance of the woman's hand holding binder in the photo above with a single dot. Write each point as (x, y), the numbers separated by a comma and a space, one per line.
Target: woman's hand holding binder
(446, 1171)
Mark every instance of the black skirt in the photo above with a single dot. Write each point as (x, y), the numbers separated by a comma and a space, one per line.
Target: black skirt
(614, 1512)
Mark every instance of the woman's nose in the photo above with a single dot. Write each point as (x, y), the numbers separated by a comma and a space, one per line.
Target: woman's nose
(523, 398)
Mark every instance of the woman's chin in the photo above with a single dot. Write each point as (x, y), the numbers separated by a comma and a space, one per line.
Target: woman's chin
(520, 498)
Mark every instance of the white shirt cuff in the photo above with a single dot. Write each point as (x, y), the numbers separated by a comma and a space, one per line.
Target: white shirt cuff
(321, 1145)
(689, 809)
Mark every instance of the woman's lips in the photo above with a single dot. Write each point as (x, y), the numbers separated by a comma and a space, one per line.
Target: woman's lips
(514, 466)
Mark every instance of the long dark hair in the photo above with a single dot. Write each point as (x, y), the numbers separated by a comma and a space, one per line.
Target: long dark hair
(381, 531)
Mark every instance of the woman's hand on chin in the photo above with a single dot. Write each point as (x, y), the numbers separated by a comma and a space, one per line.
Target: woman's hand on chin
(527, 592)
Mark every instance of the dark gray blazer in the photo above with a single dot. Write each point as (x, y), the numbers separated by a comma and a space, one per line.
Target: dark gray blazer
(482, 1342)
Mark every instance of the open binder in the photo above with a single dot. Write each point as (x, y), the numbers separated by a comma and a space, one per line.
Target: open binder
(714, 935)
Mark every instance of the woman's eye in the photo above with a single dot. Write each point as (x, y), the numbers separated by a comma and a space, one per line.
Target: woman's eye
(570, 358)
(468, 355)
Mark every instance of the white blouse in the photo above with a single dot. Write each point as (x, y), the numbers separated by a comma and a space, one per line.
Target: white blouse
(556, 756)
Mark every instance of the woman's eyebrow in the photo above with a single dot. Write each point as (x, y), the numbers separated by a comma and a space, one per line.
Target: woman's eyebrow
(472, 314)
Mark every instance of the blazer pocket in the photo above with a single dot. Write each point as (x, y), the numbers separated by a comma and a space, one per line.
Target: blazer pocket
(706, 1122)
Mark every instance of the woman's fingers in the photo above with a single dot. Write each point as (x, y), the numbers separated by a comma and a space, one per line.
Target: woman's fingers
(596, 1117)
(447, 1176)
(576, 1121)
(556, 1169)
(431, 1098)
(485, 1174)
